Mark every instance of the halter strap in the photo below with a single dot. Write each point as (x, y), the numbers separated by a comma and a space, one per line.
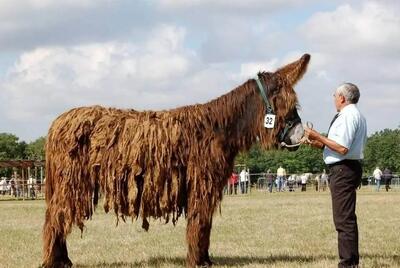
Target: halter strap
(260, 87)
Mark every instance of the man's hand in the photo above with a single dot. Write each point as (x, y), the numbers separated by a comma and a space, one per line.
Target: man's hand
(312, 137)
(311, 134)
(315, 144)
(317, 140)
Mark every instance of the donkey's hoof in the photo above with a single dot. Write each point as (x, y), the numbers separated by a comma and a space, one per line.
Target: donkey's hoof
(205, 264)
(58, 264)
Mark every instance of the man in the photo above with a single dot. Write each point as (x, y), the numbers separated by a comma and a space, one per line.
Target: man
(244, 178)
(304, 179)
(317, 183)
(377, 176)
(280, 176)
(343, 150)
(3, 186)
(324, 180)
(270, 180)
(387, 176)
(31, 187)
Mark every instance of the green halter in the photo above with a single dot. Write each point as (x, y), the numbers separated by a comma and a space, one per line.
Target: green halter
(270, 110)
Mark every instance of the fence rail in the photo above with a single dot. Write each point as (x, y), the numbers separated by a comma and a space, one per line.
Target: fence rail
(23, 190)
(258, 181)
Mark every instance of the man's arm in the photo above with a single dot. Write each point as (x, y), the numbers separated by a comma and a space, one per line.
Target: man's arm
(319, 141)
(315, 144)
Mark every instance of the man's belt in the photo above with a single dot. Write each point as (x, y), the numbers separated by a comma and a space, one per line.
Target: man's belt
(345, 162)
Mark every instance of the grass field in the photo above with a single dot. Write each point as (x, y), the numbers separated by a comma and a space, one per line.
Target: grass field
(257, 230)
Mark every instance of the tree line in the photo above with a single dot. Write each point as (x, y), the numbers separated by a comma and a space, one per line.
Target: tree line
(382, 149)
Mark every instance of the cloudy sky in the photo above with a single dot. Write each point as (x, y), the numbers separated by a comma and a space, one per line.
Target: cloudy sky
(160, 54)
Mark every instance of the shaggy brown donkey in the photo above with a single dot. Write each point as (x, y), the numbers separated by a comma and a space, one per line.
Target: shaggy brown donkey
(160, 164)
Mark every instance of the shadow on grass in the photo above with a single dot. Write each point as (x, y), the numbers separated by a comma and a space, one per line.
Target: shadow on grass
(218, 260)
(236, 260)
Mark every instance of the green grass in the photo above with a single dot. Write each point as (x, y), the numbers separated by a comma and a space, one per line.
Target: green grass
(257, 230)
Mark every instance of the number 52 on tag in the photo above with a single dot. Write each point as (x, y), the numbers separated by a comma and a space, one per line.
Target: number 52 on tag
(269, 121)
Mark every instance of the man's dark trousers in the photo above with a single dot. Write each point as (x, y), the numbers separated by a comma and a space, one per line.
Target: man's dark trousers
(345, 177)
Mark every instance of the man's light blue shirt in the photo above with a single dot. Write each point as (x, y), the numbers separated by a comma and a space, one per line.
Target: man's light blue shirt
(350, 131)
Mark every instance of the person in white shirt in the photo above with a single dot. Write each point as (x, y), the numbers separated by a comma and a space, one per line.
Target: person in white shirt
(244, 179)
(304, 178)
(377, 176)
(31, 187)
(343, 150)
(280, 176)
(3, 186)
(324, 180)
(317, 183)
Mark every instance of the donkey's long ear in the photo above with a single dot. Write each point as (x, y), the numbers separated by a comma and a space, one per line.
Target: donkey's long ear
(294, 71)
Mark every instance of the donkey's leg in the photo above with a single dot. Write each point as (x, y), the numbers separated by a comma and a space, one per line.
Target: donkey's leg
(205, 257)
(55, 231)
(198, 232)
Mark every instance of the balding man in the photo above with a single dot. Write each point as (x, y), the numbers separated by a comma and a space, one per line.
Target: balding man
(343, 150)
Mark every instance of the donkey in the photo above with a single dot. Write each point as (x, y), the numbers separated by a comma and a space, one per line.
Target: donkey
(161, 164)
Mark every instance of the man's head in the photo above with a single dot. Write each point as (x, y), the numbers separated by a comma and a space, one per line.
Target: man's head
(345, 94)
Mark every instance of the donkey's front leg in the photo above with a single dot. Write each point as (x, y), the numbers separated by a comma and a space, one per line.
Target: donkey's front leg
(54, 238)
(198, 232)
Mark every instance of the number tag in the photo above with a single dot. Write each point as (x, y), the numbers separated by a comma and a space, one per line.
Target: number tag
(269, 121)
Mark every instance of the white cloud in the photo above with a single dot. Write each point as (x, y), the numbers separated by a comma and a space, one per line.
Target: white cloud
(372, 29)
(157, 73)
(164, 53)
(355, 43)
(101, 72)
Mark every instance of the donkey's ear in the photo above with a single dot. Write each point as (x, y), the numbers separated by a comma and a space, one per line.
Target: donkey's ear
(294, 71)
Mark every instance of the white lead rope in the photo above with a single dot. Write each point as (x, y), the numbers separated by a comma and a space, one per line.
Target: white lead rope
(304, 139)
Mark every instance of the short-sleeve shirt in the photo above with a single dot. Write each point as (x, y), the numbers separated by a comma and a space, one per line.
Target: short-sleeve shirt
(243, 176)
(377, 174)
(350, 131)
(281, 172)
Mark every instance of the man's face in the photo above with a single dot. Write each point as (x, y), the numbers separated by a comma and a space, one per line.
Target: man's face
(339, 101)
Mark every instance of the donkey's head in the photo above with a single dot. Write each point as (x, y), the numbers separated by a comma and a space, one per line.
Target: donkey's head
(281, 100)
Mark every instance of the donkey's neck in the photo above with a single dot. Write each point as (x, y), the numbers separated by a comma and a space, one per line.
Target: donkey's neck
(235, 116)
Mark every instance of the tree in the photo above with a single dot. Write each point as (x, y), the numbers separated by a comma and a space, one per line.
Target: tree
(35, 150)
(305, 159)
(383, 150)
(10, 148)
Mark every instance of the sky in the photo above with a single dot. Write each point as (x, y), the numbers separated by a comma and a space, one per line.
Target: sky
(161, 54)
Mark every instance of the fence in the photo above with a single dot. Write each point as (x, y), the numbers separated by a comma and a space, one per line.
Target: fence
(22, 191)
(259, 182)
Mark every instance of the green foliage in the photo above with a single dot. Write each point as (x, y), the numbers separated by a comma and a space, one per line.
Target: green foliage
(383, 150)
(35, 149)
(305, 159)
(10, 148)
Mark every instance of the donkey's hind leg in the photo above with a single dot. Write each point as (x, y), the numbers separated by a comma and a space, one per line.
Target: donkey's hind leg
(55, 253)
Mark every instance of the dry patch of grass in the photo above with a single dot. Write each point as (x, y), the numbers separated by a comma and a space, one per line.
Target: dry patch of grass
(257, 230)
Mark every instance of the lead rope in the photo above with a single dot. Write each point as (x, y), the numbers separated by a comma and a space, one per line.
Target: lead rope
(304, 139)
